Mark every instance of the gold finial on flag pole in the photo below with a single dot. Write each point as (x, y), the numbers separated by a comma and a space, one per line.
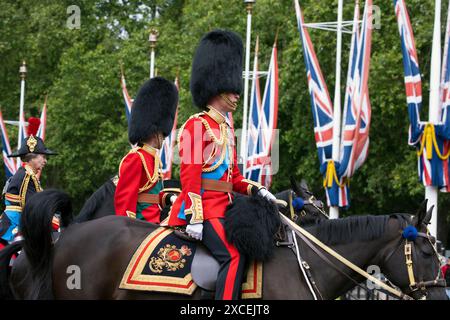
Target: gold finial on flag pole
(249, 5)
(23, 70)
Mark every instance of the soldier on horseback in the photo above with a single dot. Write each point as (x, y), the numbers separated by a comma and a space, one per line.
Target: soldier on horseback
(139, 193)
(24, 183)
(208, 170)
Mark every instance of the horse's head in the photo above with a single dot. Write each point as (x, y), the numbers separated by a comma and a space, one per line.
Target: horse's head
(303, 208)
(411, 261)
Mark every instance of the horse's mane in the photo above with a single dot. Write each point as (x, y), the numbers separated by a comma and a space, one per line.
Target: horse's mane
(355, 228)
(94, 201)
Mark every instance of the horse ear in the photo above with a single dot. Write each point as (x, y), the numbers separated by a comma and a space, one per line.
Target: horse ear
(427, 219)
(420, 214)
(294, 185)
(304, 185)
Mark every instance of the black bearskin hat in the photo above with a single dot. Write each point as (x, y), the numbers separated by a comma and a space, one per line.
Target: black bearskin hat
(153, 110)
(217, 66)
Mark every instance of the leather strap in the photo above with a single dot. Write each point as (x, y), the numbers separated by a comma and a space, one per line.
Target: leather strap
(217, 185)
(350, 265)
(331, 264)
(148, 198)
(409, 264)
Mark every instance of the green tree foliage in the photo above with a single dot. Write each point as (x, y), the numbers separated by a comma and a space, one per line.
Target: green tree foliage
(80, 70)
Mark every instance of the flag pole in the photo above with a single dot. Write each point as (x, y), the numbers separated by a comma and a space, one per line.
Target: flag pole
(334, 210)
(252, 97)
(152, 38)
(23, 74)
(249, 8)
(431, 192)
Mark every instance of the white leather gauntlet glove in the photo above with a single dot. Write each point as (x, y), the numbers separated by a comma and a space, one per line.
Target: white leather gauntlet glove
(195, 230)
(263, 192)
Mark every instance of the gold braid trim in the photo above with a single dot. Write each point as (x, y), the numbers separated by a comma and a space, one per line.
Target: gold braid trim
(37, 185)
(222, 141)
(24, 188)
(251, 184)
(196, 208)
(12, 197)
(222, 158)
(215, 115)
(197, 115)
(13, 208)
(211, 133)
(151, 179)
(219, 141)
(131, 214)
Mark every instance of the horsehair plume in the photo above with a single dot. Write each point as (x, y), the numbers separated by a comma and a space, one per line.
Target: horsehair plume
(250, 225)
(410, 233)
(33, 126)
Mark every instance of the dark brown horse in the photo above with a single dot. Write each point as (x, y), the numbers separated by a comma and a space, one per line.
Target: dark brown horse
(102, 248)
(101, 203)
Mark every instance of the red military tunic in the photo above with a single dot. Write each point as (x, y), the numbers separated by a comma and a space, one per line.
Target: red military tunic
(206, 142)
(139, 189)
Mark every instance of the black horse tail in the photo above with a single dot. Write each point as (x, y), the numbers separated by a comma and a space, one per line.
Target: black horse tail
(5, 258)
(36, 228)
(92, 204)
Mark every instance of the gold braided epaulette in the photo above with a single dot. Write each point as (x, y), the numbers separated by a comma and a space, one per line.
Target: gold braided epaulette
(151, 178)
(220, 141)
(197, 115)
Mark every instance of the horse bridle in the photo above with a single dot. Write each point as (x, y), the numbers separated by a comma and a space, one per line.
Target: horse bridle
(310, 201)
(420, 286)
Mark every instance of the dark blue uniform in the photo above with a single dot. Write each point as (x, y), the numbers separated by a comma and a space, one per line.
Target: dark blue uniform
(22, 185)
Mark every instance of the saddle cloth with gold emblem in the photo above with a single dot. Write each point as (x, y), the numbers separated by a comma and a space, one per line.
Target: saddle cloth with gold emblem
(162, 263)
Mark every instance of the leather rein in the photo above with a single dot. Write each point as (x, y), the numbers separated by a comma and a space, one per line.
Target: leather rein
(313, 243)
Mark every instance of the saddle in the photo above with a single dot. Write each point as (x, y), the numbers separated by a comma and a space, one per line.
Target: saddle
(170, 261)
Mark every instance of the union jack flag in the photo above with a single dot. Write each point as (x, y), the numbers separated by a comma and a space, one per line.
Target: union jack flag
(262, 124)
(444, 129)
(322, 108)
(168, 147)
(254, 141)
(10, 163)
(433, 165)
(357, 111)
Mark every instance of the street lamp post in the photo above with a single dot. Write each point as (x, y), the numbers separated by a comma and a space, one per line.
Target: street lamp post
(152, 38)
